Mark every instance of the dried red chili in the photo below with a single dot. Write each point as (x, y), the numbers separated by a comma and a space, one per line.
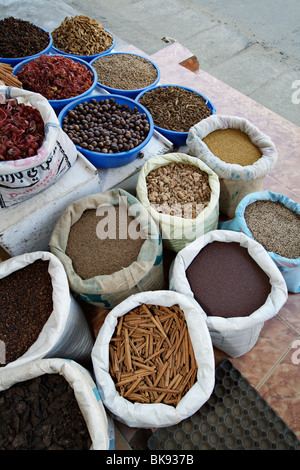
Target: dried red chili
(21, 130)
(55, 77)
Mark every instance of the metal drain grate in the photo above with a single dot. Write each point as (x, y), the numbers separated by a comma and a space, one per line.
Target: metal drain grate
(235, 417)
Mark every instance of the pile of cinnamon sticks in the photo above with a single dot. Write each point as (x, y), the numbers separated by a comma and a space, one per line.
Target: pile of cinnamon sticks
(151, 357)
(6, 76)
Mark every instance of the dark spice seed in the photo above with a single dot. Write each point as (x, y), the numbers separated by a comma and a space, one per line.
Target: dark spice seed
(175, 108)
(42, 414)
(25, 306)
(226, 281)
(20, 38)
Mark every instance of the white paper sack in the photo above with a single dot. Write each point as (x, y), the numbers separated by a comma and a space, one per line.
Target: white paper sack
(24, 178)
(83, 386)
(235, 336)
(159, 414)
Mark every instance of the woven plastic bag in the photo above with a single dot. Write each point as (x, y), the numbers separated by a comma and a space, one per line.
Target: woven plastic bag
(236, 181)
(24, 178)
(176, 231)
(83, 385)
(106, 291)
(235, 336)
(290, 268)
(66, 333)
(156, 415)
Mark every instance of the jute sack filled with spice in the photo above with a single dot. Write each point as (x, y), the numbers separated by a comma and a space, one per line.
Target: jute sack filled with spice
(33, 155)
(57, 406)
(239, 153)
(181, 194)
(234, 282)
(153, 360)
(38, 316)
(273, 220)
(110, 248)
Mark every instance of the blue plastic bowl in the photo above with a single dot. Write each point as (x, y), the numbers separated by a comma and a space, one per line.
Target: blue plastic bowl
(112, 160)
(58, 105)
(177, 138)
(16, 60)
(86, 58)
(130, 93)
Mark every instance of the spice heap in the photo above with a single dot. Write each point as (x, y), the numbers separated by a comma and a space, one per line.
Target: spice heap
(94, 256)
(125, 71)
(55, 77)
(81, 35)
(19, 38)
(42, 414)
(106, 126)
(25, 306)
(151, 358)
(233, 146)
(6, 76)
(179, 189)
(175, 108)
(21, 130)
(226, 281)
(275, 227)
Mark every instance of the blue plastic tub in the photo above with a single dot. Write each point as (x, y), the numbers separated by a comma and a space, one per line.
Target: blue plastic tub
(58, 105)
(86, 58)
(130, 93)
(177, 138)
(113, 160)
(14, 61)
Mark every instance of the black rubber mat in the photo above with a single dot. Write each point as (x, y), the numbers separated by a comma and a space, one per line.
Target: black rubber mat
(234, 417)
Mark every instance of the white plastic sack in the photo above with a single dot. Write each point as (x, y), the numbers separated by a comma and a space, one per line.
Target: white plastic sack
(24, 178)
(177, 232)
(84, 387)
(236, 181)
(290, 268)
(156, 414)
(235, 336)
(66, 333)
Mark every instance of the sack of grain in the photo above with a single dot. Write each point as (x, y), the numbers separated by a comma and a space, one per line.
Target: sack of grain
(23, 178)
(108, 258)
(39, 317)
(169, 362)
(236, 179)
(234, 282)
(277, 230)
(86, 394)
(178, 228)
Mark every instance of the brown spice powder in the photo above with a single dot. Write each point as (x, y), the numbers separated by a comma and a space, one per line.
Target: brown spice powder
(232, 146)
(25, 306)
(92, 256)
(275, 227)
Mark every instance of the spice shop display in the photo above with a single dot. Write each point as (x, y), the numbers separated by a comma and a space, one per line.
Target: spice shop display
(83, 37)
(34, 150)
(243, 156)
(273, 220)
(175, 109)
(181, 194)
(110, 248)
(58, 78)
(20, 39)
(235, 283)
(6, 76)
(51, 404)
(109, 130)
(153, 359)
(126, 74)
(39, 317)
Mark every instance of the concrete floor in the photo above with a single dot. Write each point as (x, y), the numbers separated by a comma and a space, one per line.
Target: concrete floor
(253, 46)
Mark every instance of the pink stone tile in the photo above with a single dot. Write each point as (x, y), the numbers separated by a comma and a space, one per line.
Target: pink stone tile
(290, 312)
(281, 390)
(287, 172)
(275, 186)
(275, 338)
